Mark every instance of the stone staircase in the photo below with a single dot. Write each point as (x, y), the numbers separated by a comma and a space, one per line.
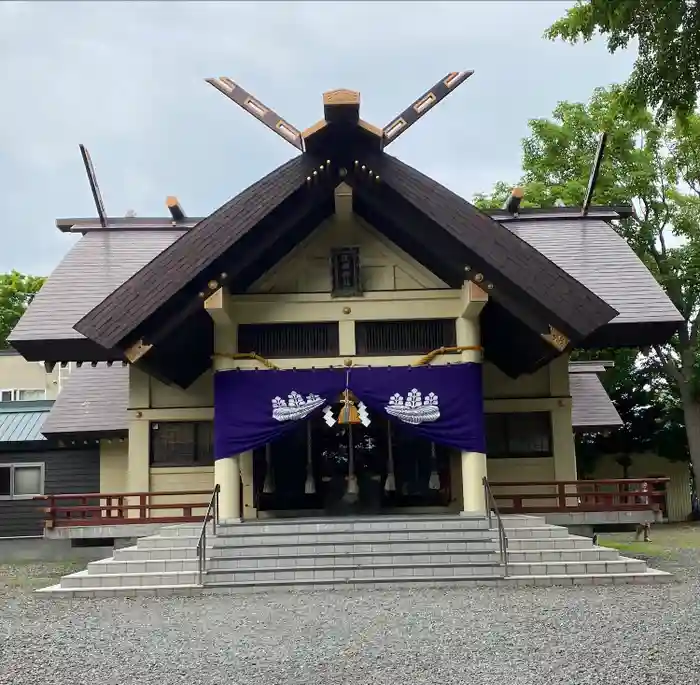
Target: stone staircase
(363, 551)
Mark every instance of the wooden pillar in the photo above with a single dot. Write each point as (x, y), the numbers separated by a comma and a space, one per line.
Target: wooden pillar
(468, 334)
(227, 471)
(227, 475)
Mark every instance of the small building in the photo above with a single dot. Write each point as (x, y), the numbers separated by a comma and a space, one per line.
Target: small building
(344, 336)
(31, 464)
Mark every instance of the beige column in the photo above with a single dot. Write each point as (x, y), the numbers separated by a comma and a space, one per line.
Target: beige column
(469, 335)
(473, 474)
(138, 465)
(563, 444)
(227, 471)
(227, 475)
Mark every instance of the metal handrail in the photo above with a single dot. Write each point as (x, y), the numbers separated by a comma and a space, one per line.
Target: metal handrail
(213, 516)
(491, 506)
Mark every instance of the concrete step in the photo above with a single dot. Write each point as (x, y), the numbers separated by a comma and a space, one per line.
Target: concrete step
(146, 551)
(356, 525)
(353, 559)
(351, 572)
(181, 541)
(545, 568)
(527, 532)
(83, 579)
(361, 545)
(135, 553)
(536, 543)
(445, 529)
(105, 566)
(345, 572)
(454, 531)
(649, 577)
(583, 554)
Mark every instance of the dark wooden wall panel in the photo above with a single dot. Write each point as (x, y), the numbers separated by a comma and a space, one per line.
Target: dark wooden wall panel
(65, 471)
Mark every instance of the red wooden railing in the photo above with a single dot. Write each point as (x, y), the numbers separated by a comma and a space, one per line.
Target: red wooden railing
(122, 508)
(628, 494)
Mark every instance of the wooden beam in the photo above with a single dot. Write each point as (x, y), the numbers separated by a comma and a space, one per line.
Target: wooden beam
(512, 204)
(138, 350)
(175, 208)
(216, 305)
(83, 225)
(423, 105)
(253, 106)
(343, 201)
(556, 339)
(341, 106)
(92, 179)
(595, 171)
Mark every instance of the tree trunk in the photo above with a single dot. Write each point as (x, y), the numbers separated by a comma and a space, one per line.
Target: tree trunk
(691, 414)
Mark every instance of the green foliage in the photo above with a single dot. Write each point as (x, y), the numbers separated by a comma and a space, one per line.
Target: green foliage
(655, 166)
(650, 409)
(16, 292)
(666, 75)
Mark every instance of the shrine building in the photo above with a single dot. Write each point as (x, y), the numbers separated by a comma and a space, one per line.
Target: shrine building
(345, 336)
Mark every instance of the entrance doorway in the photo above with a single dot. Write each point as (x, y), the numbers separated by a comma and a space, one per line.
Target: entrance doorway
(310, 470)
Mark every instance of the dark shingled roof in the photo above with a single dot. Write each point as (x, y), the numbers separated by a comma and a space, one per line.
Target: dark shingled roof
(533, 273)
(527, 284)
(93, 402)
(196, 250)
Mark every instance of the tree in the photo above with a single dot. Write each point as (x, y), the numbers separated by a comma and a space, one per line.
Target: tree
(656, 166)
(666, 74)
(16, 292)
(649, 409)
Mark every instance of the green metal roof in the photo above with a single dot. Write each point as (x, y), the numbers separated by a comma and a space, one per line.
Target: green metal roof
(22, 421)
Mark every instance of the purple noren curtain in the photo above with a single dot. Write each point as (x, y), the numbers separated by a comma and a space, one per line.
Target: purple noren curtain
(252, 408)
(441, 403)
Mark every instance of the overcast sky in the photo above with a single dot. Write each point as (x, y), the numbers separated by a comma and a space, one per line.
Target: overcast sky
(126, 79)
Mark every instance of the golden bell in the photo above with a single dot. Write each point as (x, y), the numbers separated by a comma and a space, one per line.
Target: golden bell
(349, 414)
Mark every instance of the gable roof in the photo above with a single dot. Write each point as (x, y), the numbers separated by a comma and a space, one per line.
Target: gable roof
(92, 403)
(94, 268)
(597, 256)
(437, 227)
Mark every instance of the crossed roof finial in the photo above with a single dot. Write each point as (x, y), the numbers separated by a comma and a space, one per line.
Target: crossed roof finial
(341, 105)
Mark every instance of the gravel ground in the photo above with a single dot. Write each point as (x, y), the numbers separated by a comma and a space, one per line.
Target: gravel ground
(596, 634)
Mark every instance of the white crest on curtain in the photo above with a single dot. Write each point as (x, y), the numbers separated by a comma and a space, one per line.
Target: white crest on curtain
(295, 407)
(415, 409)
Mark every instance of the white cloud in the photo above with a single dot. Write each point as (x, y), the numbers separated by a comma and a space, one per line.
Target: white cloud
(125, 78)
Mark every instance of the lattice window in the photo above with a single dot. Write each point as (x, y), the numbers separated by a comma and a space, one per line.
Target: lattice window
(519, 434)
(289, 340)
(403, 337)
(182, 443)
